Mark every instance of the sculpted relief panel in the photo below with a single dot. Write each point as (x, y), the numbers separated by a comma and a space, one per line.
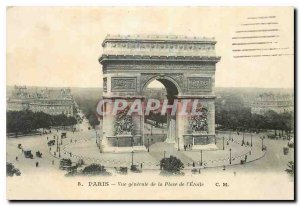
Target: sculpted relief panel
(199, 84)
(199, 123)
(126, 84)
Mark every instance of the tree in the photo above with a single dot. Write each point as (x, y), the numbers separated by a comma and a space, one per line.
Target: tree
(171, 164)
(291, 169)
(95, 169)
(27, 121)
(11, 170)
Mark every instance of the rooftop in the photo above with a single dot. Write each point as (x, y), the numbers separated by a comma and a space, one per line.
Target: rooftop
(157, 38)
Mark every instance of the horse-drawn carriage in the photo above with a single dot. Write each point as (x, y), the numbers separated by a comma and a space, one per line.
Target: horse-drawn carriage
(28, 154)
(51, 143)
(38, 154)
(63, 135)
(121, 170)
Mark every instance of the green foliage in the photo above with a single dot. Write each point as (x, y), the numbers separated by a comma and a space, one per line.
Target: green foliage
(241, 118)
(11, 170)
(28, 121)
(93, 119)
(95, 169)
(171, 164)
(291, 168)
(87, 102)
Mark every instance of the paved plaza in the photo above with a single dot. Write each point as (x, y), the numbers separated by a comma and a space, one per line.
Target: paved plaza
(82, 145)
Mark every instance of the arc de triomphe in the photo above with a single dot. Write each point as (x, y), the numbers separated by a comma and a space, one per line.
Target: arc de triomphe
(184, 65)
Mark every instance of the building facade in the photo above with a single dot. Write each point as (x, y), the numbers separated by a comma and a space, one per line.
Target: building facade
(49, 101)
(279, 103)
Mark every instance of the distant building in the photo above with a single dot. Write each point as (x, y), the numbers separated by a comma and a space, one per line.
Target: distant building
(276, 102)
(50, 101)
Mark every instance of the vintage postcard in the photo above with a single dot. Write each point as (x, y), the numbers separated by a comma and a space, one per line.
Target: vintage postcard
(150, 103)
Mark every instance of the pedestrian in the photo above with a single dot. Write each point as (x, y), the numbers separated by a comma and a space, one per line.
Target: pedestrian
(199, 171)
(193, 164)
(234, 173)
(47, 137)
(16, 158)
(50, 148)
(52, 162)
(37, 164)
(224, 168)
(141, 165)
(70, 154)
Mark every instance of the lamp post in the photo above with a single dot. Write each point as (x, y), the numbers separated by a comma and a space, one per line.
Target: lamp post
(132, 157)
(230, 156)
(262, 143)
(201, 158)
(57, 144)
(223, 143)
(243, 141)
(96, 137)
(59, 152)
(178, 144)
(148, 144)
(251, 139)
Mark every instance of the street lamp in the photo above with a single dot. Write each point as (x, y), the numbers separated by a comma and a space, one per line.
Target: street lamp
(201, 158)
(251, 139)
(223, 143)
(178, 143)
(148, 144)
(243, 141)
(132, 157)
(262, 143)
(230, 156)
(96, 137)
(57, 144)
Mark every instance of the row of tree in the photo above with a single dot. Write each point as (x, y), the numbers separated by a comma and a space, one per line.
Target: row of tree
(25, 122)
(88, 105)
(243, 119)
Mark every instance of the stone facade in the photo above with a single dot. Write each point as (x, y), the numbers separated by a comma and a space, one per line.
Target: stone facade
(49, 101)
(185, 66)
(279, 103)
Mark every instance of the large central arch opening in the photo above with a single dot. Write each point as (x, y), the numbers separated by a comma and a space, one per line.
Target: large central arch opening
(160, 127)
